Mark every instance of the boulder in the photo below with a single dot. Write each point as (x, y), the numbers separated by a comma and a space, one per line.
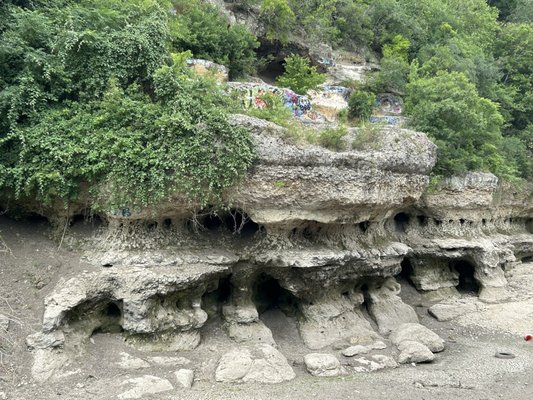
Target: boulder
(184, 377)
(323, 365)
(414, 352)
(261, 364)
(418, 333)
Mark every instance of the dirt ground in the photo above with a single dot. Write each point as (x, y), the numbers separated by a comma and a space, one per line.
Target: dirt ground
(32, 264)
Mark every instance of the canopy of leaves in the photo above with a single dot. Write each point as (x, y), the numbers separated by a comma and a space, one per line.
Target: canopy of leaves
(465, 126)
(299, 75)
(91, 97)
(202, 29)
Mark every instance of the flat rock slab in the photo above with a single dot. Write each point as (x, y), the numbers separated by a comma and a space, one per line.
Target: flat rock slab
(127, 361)
(417, 333)
(261, 363)
(144, 385)
(374, 363)
(450, 310)
(323, 365)
(185, 377)
(355, 350)
(414, 352)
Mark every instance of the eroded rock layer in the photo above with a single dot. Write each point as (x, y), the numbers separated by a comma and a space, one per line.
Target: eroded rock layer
(319, 234)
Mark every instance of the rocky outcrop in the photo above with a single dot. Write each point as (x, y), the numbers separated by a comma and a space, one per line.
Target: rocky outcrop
(320, 235)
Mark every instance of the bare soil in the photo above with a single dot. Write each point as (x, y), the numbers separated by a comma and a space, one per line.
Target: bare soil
(32, 264)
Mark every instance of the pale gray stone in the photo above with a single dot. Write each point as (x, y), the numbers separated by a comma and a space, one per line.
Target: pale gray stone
(355, 350)
(414, 352)
(418, 333)
(144, 385)
(184, 377)
(323, 365)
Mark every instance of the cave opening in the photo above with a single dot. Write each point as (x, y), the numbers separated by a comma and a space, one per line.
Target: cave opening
(214, 300)
(467, 281)
(401, 220)
(529, 225)
(271, 71)
(269, 295)
(85, 219)
(407, 270)
(238, 222)
(212, 222)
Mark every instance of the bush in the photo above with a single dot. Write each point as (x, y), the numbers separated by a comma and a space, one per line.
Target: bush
(332, 138)
(299, 75)
(278, 18)
(465, 126)
(361, 104)
(202, 29)
(130, 149)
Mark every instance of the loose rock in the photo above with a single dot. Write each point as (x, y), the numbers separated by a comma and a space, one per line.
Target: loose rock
(323, 365)
(185, 377)
(262, 364)
(144, 385)
(414, 352)
(355, 350)
(418, 333)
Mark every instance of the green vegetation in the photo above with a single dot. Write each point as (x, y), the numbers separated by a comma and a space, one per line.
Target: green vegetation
(95, 95)
(201, 29)
(92, 99)
(299, 75)
(361, 104)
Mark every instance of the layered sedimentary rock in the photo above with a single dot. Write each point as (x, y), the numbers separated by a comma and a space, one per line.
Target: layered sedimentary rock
(320, 235)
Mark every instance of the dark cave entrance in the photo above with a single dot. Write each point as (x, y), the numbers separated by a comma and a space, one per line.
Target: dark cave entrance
(467, 281)
(235, 221)
(269, 295)
(271, 71)
(407, 270)
(401, 221)
(111, 318)
(214, 300)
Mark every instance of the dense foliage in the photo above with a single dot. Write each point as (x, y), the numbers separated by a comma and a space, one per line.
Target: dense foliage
(94, 93)
(489, 43)
(299, 75)
(91, 97)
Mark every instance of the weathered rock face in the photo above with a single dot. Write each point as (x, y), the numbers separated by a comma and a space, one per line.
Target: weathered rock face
(318, 234)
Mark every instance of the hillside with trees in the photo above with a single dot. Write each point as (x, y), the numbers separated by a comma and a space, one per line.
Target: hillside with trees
(97, 94)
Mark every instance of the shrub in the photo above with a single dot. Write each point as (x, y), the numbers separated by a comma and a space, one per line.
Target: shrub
(299, 75)
(278, 18)
(202, 29)
(361, 104)
(465, 126)
(332, 138)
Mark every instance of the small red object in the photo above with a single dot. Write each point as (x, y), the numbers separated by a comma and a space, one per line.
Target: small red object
(528, 338)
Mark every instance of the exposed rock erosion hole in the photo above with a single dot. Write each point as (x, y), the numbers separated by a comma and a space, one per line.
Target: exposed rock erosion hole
(406, 271)
(529, 225)
(269, 295)
(467, 282)
(85, 220)
(235, 221)
(401, 221)
(214, 300)
(90, 318)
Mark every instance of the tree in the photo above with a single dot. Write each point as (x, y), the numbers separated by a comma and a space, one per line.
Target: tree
(465, 126)
(278, 18)
(299, 75)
